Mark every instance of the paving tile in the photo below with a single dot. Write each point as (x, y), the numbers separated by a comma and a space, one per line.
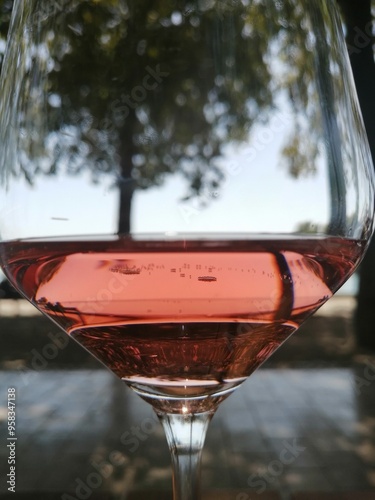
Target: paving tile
(355, 495)
(46, 495)
(348, 477)
(308, 478)
(66, 419)
(153, 495)
(213, 495)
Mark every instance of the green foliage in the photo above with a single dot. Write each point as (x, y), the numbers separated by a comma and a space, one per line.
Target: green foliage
(110, 75)
(118, 106)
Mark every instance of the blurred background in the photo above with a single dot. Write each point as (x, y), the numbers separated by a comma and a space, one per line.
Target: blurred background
(303, 426)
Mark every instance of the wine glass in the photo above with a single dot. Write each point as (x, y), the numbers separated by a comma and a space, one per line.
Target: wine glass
(182, 184)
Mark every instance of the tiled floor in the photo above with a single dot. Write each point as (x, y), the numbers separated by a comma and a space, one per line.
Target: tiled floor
(284, 431)
(286, 434)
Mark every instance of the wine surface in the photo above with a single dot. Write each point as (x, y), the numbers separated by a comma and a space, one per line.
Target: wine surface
(180, 319)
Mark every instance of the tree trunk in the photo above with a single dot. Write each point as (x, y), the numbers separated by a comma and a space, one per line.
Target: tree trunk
(126, 183)
(126, 187)
(358, 20)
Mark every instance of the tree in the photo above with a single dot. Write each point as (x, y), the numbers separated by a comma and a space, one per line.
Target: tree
(114, 96)
(111, 99)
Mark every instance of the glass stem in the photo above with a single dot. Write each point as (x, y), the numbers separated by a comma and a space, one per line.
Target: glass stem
(185, 435)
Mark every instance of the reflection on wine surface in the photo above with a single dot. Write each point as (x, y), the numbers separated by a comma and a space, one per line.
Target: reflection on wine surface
(183, 323)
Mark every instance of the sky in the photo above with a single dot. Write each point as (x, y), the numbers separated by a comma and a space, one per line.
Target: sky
(258, 195)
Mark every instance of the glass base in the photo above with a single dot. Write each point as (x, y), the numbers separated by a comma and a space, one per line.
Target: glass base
(189, 401)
